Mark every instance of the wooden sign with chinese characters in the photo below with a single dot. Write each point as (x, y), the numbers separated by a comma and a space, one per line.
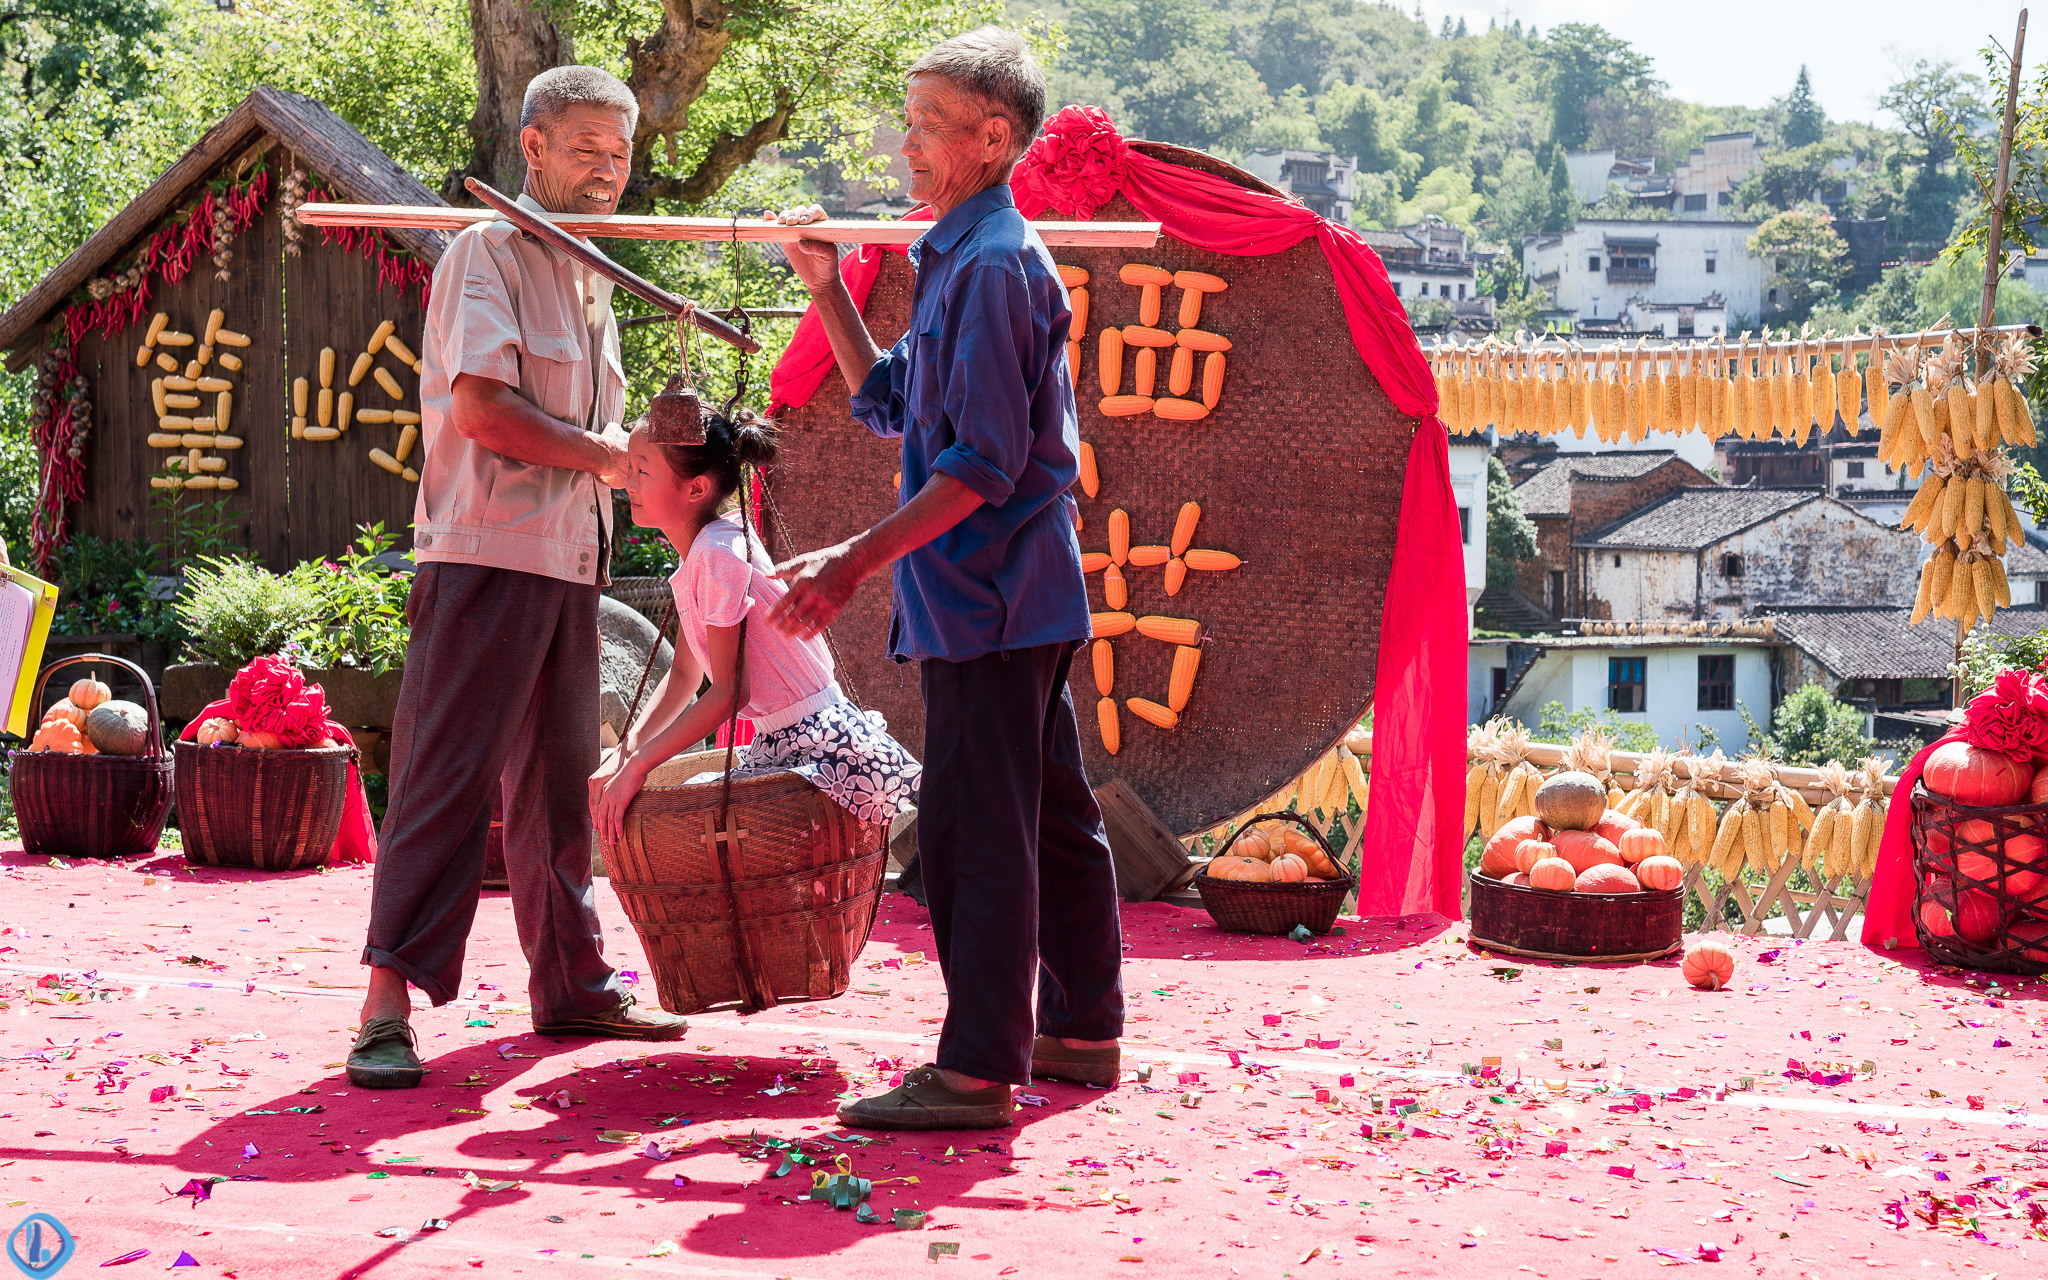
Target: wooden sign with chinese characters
(1286, 447)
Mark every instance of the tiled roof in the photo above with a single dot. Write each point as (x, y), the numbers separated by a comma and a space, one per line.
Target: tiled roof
(1857, 643)
(1390, 240)
(1699, 517)
(1549, 491)
(2027, 559)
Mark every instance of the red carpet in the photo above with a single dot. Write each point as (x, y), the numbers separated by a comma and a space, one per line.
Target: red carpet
(114, 988)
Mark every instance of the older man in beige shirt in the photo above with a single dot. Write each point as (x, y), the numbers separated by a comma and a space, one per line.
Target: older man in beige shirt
(521, 394)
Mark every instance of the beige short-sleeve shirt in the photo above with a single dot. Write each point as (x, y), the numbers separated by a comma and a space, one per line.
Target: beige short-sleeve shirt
(505, 306)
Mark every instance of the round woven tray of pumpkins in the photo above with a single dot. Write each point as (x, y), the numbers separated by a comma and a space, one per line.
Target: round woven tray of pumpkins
(1574, 843)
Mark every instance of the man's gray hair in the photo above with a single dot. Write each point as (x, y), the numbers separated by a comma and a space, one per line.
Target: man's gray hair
(553, 92)
(996, 66)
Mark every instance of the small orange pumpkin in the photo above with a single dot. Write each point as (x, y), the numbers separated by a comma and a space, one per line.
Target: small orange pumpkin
(1640, 843)
(1530, 852)
(1553, 873)
(261, 741)
(1708, 965)
(63, 738)
(1289, 868)
(1303, 846)
(1659, 872)
(1499, 857)
(219, 729)
(1252, 843)
(1236, 867)
(1585, 850)
(89, 693)
(65, 709)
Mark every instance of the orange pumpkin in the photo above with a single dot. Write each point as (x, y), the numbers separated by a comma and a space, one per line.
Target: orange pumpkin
(2033, 934)
(218, 729)
(1607, 877)
(1613, 825)
(1971, 775)
(1641, 843)
(1520, 879)
(1553, 873)
(1585, 850)
(1977, 915)
(65, 709)
(1935, 920)
(89, 693)
(1235, 867)
(1289, 868)
(1659, 872)
(63, 738)
(261, 741)
(1530, 852)
(1499, 858)
(1303, 846)
(1708, 965)
(1251, 843)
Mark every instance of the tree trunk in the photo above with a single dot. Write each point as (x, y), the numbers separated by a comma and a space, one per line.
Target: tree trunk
(513, 42)
(670, 70)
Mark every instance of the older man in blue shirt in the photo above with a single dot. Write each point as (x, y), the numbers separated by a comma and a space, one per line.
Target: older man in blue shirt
(989, 597)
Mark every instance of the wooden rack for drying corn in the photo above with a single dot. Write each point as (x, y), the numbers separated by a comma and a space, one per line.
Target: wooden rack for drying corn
(1940, 421)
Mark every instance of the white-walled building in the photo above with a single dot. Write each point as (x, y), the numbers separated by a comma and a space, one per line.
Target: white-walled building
(1322, 180)
(1676, 684)
(1681, 279)
(1468, 488)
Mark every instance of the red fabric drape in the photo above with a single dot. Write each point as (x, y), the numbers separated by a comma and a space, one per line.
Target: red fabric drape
(357, 839)
(1418, 763)
(1888, 911)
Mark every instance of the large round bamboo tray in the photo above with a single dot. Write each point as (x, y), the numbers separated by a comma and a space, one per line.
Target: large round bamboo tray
(96, 806)
(1545, 924)
(271, 810)
(1994, 853)
(806, 877)
(1298, 470)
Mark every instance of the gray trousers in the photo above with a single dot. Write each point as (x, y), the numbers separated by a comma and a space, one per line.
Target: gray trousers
(500, 690)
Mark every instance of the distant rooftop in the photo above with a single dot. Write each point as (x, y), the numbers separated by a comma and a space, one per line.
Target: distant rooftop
(1865, 643)
(1699, 517)
(1549, 491)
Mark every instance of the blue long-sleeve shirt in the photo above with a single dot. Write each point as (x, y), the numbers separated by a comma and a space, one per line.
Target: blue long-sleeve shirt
(979, 389)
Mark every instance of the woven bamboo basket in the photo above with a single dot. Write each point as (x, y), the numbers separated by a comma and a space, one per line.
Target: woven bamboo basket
(648, 595)
(1981, 883)
(271, 810)
(1273, 907)
(806, 877)
(1546, 924)
(96, 806)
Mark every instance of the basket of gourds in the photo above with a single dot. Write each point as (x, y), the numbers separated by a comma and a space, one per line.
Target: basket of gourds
(1980, 860)
(95, 780)
(1274, 880)
(249, 794)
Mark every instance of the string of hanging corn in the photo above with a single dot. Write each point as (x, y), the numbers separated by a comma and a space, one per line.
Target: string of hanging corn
(1949, 434)
(1783, 386)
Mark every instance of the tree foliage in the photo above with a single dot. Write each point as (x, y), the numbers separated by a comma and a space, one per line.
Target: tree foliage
(1583, 62)
(1805, 122)
(1810, 728)
(1804, 256)
(1510, 535)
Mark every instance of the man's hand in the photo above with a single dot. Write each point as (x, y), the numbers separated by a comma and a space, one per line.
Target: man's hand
(820, 584)
(816, 262)
(617, 460)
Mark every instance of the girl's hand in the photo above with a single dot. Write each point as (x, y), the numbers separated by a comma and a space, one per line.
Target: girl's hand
(608, 812)
(607, 768)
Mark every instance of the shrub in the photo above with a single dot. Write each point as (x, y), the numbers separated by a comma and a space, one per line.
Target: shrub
(361, 617)
(1810, 728)
(234, 610)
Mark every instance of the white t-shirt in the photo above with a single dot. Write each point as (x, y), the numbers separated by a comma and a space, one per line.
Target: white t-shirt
(715, 586)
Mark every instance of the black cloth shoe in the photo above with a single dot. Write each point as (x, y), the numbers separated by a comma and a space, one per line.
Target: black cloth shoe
(925, 1101)
(385, 1056)
(626, 1022)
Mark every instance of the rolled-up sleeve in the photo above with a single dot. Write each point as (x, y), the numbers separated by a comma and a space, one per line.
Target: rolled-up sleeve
(479, 321)
(879, 404)
(992, 332)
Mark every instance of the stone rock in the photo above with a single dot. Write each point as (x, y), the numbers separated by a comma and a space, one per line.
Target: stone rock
(626, 636)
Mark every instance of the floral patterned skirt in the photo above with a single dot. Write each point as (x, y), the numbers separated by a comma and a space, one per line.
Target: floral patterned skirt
(849, 755)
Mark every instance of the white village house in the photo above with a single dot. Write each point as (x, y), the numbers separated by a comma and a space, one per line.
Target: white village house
(1679, 279)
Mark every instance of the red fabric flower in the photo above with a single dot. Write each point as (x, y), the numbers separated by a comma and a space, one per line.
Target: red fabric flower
(1076, 165)
(271, 695)
(2011, 717)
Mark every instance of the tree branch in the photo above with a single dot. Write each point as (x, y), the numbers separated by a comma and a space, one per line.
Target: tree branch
(727, 154)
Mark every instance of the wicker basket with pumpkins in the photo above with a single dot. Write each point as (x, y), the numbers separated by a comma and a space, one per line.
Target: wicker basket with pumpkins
(1276, 874)
(95, 780)
(1980, 859)
(260, 782)
(1576, 880)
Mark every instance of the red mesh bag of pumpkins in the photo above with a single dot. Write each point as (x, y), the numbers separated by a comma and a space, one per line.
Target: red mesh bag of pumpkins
(1980, 834)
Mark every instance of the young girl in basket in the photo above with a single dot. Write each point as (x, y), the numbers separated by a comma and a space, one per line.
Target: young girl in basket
(801, 719)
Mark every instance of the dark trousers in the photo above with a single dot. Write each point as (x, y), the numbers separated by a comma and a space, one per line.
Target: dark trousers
(501, 689)
(1005, 809)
